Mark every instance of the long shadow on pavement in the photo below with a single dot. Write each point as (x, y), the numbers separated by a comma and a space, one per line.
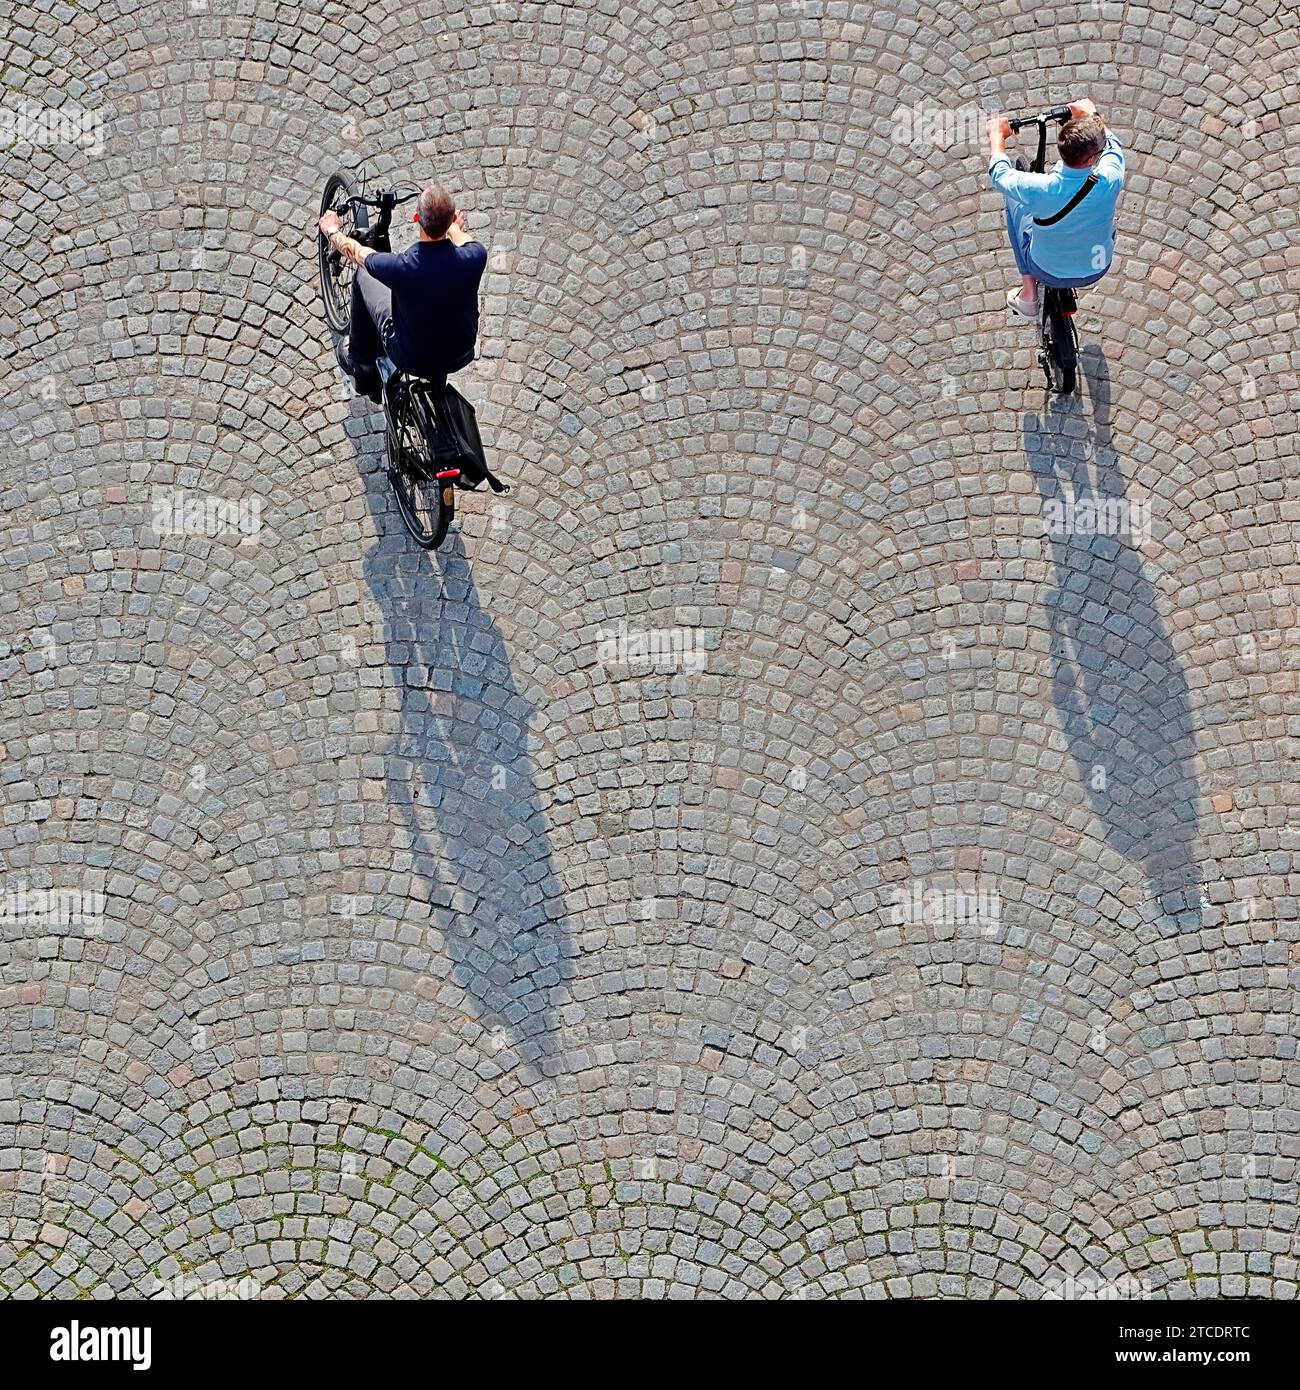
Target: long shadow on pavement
(1116, 682)
(461, 779)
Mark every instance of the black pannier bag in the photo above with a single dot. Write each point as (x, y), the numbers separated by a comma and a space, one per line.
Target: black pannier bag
(451, 429)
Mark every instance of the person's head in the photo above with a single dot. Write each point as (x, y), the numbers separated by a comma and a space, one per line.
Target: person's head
(1081, 141)
(435, 211)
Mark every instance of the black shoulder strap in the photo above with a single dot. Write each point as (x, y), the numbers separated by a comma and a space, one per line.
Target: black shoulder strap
(1084, 189)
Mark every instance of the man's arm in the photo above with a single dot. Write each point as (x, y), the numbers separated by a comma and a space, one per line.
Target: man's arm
(1005, 179)
(1111, 160)
(999, 132)
(458, 233)
(347, 247)
(1012, 182)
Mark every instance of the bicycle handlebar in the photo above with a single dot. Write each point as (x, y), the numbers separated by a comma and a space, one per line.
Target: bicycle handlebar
(386, 198)
(1060, 114)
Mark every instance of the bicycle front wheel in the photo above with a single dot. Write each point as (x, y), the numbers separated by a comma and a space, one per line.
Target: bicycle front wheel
(336, 273)
(1061, 343)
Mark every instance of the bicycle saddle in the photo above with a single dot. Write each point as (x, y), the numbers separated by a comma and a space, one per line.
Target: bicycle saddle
(439, 374)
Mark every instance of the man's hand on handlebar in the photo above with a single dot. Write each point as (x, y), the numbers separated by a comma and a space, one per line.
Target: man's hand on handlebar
(458, 233)
(1081, 108)
(346, 246)
(999, 129)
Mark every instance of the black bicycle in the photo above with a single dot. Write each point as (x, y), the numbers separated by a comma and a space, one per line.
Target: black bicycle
(1058, 353)
(432, 437)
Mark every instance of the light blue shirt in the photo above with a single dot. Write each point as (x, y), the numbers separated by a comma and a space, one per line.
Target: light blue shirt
(1083, 241)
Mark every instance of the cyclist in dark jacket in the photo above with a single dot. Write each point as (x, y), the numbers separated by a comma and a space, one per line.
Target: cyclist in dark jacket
(419, 306)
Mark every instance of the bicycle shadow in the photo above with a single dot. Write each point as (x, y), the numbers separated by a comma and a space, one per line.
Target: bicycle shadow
(460, 778)
(1116, 682)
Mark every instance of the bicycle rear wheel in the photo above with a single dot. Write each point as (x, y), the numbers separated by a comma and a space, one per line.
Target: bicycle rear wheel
(336, 273)
(1061, 348)
(426, 499)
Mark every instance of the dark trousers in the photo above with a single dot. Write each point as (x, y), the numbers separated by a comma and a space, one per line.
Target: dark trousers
(372, 320)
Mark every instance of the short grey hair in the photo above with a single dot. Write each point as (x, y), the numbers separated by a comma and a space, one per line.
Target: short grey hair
(435, 210)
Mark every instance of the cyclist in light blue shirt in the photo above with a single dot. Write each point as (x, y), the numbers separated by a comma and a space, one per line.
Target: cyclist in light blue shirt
(1061, 223)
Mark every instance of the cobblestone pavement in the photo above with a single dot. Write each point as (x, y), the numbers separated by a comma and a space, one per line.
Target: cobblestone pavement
(926, 926)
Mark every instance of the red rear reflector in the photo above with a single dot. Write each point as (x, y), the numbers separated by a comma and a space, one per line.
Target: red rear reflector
(448, 473)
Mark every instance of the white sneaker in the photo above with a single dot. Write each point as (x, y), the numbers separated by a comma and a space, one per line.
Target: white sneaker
(1026, 308)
